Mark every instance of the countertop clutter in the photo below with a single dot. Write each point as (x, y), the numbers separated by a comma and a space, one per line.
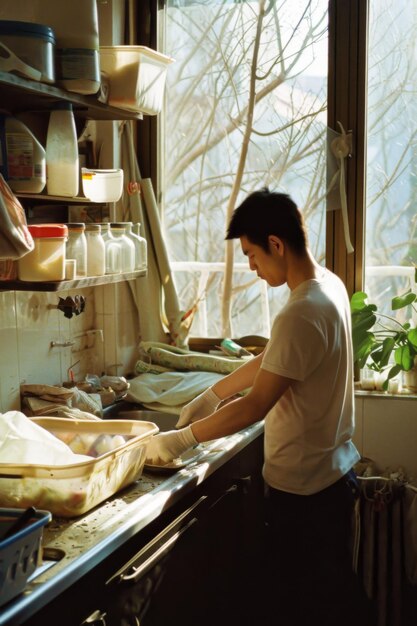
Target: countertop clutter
(75, 548)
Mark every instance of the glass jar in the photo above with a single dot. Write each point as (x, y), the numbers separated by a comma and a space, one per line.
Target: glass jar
(76, 247)
(143, 246)
(96, 253)
(113, 248)
(127, 246)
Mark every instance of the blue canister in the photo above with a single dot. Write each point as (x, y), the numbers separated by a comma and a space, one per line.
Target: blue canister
(33, 44)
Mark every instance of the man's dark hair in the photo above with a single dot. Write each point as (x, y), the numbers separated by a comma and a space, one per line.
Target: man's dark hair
(266, 213)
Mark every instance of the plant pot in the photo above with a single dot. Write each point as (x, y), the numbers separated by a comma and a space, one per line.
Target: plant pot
(410, 379)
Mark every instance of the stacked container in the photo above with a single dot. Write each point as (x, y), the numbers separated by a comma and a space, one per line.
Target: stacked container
(46, 262)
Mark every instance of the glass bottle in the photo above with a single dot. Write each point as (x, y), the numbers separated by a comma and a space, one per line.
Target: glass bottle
(76, 247)
(127, 246)
(96, 253)
(136, 242)
(143, 245)
(113, 248)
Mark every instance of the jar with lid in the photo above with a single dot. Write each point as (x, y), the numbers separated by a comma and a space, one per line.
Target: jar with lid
(143, 246)
(46, 262)
(76, 247)
(96, 254)
(113, 249)
(127, 246)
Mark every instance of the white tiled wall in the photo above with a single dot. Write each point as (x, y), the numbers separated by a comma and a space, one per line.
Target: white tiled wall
(104, 338)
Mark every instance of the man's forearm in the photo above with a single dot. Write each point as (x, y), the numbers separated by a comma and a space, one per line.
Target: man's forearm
(239, 380)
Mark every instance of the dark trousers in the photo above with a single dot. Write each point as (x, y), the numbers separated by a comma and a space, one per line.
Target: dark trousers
(309, 577)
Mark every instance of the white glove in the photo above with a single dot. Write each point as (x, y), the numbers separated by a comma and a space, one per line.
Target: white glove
(165, 447)
(202, 405)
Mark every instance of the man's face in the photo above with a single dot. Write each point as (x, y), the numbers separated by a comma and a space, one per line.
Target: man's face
(268, 266)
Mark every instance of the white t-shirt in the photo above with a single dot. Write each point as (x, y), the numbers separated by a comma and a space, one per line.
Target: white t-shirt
(308, 432)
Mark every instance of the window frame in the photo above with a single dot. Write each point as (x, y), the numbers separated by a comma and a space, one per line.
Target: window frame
(348, 36)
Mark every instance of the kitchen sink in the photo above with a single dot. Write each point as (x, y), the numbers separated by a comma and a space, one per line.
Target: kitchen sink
(128, 411)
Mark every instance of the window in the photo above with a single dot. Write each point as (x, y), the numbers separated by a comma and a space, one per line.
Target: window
(391, 190)
(245, 108)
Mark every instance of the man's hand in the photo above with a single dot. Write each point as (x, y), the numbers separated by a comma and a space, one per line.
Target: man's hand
(202, 405)
(165, 447)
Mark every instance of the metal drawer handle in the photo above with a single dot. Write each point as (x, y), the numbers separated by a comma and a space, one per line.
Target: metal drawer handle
(156, 556)
(97, 617)
(152, 545)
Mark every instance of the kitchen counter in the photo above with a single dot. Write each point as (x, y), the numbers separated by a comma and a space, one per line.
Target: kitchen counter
(84, 542)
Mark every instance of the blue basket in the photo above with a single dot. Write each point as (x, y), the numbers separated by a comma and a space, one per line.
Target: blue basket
(21, 553)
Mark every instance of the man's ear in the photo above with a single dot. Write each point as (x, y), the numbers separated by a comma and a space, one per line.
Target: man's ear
(276, 243)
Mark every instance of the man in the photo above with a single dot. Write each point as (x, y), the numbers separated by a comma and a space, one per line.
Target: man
(302, 384)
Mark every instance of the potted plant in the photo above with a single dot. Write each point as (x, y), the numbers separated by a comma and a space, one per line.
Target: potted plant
(380, 340)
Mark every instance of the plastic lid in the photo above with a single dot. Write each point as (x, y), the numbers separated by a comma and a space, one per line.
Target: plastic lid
(48, 230)
(27, 29)
(76, 226)
(62, 106)
(93, 227)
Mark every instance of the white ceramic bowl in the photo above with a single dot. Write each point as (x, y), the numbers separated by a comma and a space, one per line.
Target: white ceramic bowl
(102, 185)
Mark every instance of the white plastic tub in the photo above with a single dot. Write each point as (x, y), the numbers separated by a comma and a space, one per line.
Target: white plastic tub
(136, 75)
(71, 490)
(102, 185)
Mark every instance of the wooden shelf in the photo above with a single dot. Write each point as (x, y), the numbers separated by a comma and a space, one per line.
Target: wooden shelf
(77, 283)
(41, 96)
(44, 197)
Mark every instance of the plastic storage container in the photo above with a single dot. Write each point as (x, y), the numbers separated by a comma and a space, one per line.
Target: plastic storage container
(76, 247)
(72, 490)
(46, 262)
(62, 160)
(33, 44)
(22, 158)
(21, 553)
(77, 44)
(136, 75)
(102, 185)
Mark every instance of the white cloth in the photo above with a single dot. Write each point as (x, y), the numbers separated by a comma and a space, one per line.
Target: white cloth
(25, 442)
(170, 388)
(308, 433)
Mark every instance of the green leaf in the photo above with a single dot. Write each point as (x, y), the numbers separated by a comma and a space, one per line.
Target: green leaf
(412, 337)
(404, 358)
(362, 321)
(362, 348)
(400, 302)
(357, 302)
(394, 371)
(382, 355)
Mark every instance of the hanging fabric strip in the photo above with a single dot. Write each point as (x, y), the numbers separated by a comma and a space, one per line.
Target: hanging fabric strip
(340, 149)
